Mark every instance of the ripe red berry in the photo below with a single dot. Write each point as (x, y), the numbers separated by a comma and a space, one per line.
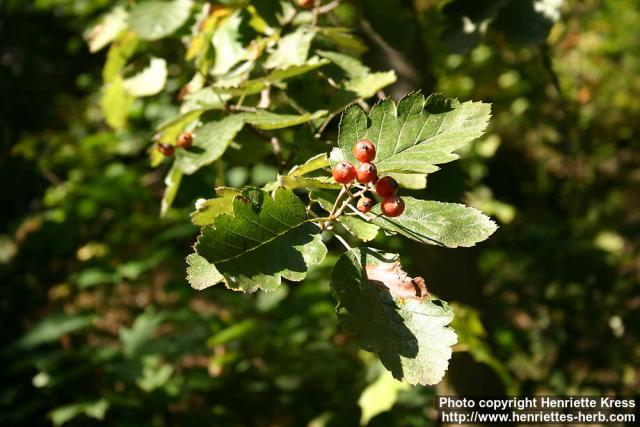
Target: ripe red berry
(366, 173)
(185, 139)
(343, 172)
(364, 150)
(167, 150)
(392, 206)
(386, 186)
(364, 204)
(306, 4)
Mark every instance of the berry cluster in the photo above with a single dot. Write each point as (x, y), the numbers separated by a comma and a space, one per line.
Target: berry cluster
(184, 140)
(367, 174)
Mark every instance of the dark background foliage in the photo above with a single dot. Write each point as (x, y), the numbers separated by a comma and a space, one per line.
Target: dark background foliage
(97, 317)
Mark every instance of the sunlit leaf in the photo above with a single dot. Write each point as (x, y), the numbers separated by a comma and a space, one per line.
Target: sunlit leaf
(207, 210)
(265, 240)
(438, 223)
(228, 49)
(149, 81)
(156, 19)
(416, 135)
(410, 335)
(107, 29)
(291, 50)
(209, 143)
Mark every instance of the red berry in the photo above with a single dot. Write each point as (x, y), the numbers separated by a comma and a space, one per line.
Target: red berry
(167, 150)
(386, 186)
(392, 206)
(366, 173)
(364, 150)
(365, 204)
(306, 4)
(343, 172)
(184, 140)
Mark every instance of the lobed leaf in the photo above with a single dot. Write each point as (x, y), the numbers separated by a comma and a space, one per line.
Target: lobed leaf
(410, 335)
(416, 134)
(265, 240)
(438, 223)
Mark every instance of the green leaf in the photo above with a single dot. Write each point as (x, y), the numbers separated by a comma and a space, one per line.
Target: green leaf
(412, 181)
(226, 42)
(149, 81)
(368, 85)
(361, 81)
(292, 49)
(438, 223)
(115, 104)
(268, 121)
(350, 65)
(265, 239)
(207, 210)
(295, 182)
(410, 335)
(96, 409)
(52, 328)
(203, 100)
(254, 86)
(314, 163)
(201, 274)
(209, 143)
(154, 20)
(415, 135)
(119, 53)
(172, 181)
(141, 332)
(344, 39)
(107, 30)
(379, 396)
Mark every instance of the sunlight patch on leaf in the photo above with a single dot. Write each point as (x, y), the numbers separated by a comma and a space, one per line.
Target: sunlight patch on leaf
(411, 337)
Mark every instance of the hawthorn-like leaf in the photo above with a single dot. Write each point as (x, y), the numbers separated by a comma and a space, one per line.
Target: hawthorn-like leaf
(149, 81)
(268, 121)
(226, 42)
(156, 19)
(209, 143)
(438, 223)
(414, 136)
(368, 85)
(254, 86)
(207, 210)
(292, 49)
(201, 274)
(343, 38)
(361, 80)
(265, 240)
(410, 334)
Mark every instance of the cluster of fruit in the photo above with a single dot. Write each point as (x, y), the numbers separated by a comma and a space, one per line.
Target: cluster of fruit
(184, 140)
(386, 187)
